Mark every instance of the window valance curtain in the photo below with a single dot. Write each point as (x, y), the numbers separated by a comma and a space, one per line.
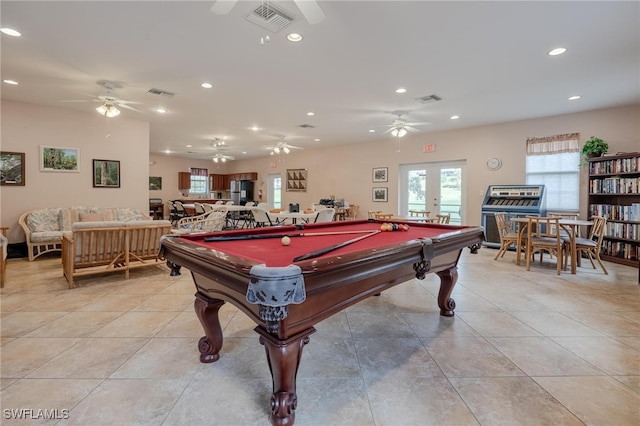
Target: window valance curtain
(199, 172)
(568, 142)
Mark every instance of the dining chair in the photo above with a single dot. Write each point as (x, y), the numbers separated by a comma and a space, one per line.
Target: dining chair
(566, 215)
(384, 215)
(591, 246)
(418, 213)
(543, 235)
(260, 218)
(443, 218)
(352, 211)
(508, 237)
(180, 211)
(325, 215)
(199, 208)
(373, 213)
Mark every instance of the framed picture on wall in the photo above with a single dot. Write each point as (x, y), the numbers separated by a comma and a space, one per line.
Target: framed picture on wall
(58, 159)
(155, 183)
(106, 174)
(12, 168)
(380, 195)
(380, 174)
(296, 180)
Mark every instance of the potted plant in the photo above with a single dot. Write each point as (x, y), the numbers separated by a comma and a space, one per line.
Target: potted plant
(594, 147)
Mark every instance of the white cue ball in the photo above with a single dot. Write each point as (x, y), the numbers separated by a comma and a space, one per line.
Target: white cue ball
(286, 241)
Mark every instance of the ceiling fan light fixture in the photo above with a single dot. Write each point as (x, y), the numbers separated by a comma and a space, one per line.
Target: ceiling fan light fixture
(399, 132)
(276, 150)
(286, 149)
(109, 111)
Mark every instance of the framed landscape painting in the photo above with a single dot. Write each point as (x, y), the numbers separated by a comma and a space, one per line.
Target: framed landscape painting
(12, 168)
(155, 183)
(57, 159)
(106, 174)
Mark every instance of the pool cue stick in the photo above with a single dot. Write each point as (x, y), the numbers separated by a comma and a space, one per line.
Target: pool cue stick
(322, 251)
(267, 236)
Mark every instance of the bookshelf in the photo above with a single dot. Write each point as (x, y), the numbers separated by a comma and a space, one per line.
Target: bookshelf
(614, 192)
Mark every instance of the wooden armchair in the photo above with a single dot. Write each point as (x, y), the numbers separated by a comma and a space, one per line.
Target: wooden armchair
(543, 234)
(443, 218)
(508, 236)
(591, 246)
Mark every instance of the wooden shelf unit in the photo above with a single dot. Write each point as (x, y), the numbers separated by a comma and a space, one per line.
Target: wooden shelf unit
(614, 192)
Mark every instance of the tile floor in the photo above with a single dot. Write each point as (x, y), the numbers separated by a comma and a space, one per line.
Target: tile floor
(525, 348)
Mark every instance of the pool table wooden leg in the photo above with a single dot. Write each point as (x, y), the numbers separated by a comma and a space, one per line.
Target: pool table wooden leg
(207, 312)
(283, 357)
(448, 280)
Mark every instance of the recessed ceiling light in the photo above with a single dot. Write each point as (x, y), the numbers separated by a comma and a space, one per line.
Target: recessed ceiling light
(188, 146)
(10, 82)
(371, 131)
(557, 51)
(311, 113)
(10, 32)
(574, 97)
(454, 117)
(255, 128)
(207, 85)
(167, 151)
(294, 37)
(316, 140)
(161, 110)
(401, 90)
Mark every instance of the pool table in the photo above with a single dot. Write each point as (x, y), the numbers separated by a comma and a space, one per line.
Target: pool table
(255, 271)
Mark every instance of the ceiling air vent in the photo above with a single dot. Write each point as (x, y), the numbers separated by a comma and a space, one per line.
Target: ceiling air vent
(429, 98)
(307, 126)
(161, 92)
(270, 17)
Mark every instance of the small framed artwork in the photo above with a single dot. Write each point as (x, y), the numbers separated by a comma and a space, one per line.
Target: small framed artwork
(296, 180)
(57, 159)
(380, 174)
(12, 168)
(155, 183)
(106, 174)
(380, 195)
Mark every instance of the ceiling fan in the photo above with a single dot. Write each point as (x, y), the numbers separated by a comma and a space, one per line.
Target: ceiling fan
(218, 145)
(400, 127)
(309, 9)
(282, 147)
(109, 101)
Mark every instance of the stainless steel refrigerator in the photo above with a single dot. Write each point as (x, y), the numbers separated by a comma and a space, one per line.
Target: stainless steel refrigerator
(241, 191)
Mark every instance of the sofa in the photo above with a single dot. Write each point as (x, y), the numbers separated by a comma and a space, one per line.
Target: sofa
(44, 228)
(98, 247)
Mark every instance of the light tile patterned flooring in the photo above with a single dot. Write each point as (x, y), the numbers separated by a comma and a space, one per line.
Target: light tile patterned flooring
(525, 348)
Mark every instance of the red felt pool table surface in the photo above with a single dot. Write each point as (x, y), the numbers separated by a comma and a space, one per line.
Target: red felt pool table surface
(272, 252)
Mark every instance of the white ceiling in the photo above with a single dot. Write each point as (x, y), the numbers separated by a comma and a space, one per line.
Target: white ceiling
(487, 60)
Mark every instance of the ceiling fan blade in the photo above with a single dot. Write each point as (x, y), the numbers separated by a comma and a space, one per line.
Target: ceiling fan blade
(120, 104)
(311, 10)
(223, 7)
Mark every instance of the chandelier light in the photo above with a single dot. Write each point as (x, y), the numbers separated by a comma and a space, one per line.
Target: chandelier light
(108, 110)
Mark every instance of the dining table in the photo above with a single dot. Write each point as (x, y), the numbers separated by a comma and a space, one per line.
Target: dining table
(570, 226)
(283, 216)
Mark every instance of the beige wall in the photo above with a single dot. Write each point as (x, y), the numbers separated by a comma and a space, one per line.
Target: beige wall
(25, 127)
(344, 171)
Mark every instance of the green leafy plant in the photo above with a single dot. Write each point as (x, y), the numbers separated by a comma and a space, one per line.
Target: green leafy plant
(594, 147)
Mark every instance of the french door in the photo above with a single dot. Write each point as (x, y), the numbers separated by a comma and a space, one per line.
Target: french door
(274, 188)
(437, 187)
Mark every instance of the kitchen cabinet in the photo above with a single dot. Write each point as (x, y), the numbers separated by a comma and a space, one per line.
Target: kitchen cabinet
(184, 180)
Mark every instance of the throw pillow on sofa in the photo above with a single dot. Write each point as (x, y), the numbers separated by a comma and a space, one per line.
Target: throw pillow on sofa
(45, 220)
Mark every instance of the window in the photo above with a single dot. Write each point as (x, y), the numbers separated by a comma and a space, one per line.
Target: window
(554, 162)
(199, 180)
